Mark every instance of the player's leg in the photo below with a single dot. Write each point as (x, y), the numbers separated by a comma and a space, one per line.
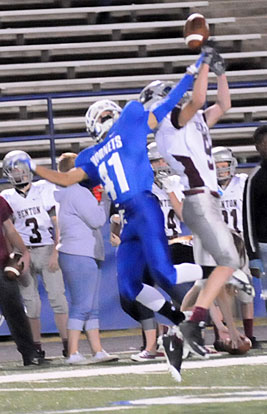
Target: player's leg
(202, 215)
(32, 302)
(54, 286)
(150, 227)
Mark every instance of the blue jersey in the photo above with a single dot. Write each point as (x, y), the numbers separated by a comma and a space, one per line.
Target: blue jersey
(120, 162)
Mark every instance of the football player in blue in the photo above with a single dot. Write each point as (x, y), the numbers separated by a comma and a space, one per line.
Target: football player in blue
(119, 161)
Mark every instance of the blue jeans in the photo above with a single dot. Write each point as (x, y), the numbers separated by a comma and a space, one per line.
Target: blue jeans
(82, 276)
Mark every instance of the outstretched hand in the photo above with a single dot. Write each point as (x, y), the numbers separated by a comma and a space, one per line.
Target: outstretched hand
(213, 58)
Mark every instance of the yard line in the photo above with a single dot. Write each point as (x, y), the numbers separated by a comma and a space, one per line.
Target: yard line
(152, 388)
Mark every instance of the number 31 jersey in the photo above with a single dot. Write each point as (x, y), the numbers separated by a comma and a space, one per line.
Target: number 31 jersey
(232, 202)
(30, 213)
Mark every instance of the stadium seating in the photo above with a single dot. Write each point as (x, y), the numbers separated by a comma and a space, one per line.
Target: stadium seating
(64, 49)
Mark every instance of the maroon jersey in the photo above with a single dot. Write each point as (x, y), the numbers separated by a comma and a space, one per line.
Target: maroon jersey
(5, 213)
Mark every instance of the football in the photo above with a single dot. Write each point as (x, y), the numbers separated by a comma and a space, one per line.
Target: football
(243, 348)
(12, 269)
(196, 31)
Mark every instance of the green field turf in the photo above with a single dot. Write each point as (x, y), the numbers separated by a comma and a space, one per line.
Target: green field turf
(138, 388)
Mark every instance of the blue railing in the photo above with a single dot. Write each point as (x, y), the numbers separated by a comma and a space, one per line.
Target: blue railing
(52, 135)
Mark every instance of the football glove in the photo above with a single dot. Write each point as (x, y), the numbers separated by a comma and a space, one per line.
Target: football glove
(208, 52)
(169, 183)
(217, 64)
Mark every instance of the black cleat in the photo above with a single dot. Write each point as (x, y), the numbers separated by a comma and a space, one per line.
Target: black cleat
(37, 361)
(254, 343)
(173, 350)
(40, 353)
(192, 332)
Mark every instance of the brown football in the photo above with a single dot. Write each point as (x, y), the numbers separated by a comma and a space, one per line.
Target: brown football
(196, 31)
(12, 269)
(243, 348)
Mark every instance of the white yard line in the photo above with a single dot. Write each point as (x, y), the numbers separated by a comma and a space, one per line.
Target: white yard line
(129, 369)
(152, 388)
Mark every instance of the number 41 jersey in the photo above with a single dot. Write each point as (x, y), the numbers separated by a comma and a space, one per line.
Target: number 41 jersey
(30, 213)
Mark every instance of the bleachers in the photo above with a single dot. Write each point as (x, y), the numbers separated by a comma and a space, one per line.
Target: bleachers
(89, 14)
(48, 52)
(54, 47)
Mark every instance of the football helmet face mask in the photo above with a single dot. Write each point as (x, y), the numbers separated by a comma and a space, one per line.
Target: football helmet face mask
(162, 169)
(223, 154)
(18, 173)
(96, 124)
(154, 92)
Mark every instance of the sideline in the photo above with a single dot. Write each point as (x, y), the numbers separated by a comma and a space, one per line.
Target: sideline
(129, 369)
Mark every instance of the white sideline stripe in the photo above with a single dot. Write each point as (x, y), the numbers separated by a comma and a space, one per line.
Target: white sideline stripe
(206, 399)
(152, 388)
(131, 369)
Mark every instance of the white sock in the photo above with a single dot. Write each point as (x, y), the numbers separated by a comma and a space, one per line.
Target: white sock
(188, 272)
(151, 298)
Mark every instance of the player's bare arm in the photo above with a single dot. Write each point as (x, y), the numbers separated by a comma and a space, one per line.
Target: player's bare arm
(175, 95)
(65, 179)
(198, 98)
(223, 102)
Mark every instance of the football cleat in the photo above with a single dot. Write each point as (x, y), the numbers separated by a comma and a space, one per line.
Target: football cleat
(173, 350)
(192, 333)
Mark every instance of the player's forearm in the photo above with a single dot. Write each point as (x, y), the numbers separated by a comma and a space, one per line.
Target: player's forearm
(177, 92)
(52, 176)
(223, 95)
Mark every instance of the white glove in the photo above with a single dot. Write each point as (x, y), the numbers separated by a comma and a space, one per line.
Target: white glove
(171, 184)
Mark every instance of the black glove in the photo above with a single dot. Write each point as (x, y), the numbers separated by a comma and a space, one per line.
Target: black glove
(217, 64)
(208, 54)
(208, 49)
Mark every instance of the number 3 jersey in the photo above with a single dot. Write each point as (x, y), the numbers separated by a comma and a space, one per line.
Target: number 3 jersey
(232, 202)
(188, 151)
(30, 213)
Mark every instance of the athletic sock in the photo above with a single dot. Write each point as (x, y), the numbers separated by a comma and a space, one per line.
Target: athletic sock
(248, 327)
(199, 314)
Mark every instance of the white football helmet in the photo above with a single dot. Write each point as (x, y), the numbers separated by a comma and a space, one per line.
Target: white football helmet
(18, 173)
(154, 92)
(160, 171)
(98, 126)
(223, 154)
